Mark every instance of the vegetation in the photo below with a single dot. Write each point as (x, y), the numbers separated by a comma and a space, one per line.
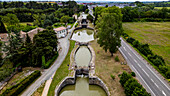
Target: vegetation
(113, 77)
(61, 72)
(109, 27)
(105, 64)
(49, 62)
(19, 87)
(90, 17)
(116, 58)
(2, 27)
(131, 86)
(155, 46)
(39, 91)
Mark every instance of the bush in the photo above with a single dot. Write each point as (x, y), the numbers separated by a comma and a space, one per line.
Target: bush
(131, 86)
(76, 25)
(19, 87)
(163, 69)
(113, 77)
(167, 74)
(116, 58)
(130, 40)
(133, 74)
(49, 62)
(28, 28)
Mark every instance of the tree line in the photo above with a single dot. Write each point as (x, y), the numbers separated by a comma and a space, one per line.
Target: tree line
(142, 12)
(157, 60)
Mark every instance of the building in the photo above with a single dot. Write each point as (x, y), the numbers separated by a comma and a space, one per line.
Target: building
(4, 37)
(30, 33)
(61, 32)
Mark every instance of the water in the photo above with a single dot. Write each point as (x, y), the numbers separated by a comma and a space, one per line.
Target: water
(83, 35)
(83, 56)
(82, 88)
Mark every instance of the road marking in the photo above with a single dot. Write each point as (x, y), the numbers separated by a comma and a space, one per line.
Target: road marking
(163, 93)
(156, 85)
(124, 48)
(139, 65)
(152, 81)
(135, 60)
(123, 54)
(145, 73)
(129, 54)
(157, 77)
(143, 80)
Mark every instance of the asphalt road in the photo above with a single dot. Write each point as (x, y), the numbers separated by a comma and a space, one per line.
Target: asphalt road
(147, 76)
(64, 42)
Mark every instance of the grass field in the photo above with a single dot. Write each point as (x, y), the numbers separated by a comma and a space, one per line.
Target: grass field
(62, 71)
(106, 65)
(156, 34)
(161, 7)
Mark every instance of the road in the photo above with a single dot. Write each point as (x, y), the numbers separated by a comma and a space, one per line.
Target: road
(46, 74)
(147, 76)
(90, 10)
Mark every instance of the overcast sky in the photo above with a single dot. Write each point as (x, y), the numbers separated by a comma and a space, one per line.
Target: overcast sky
(87, 0)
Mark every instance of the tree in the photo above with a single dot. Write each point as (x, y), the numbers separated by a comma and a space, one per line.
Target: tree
(10, 19)
(89, 17)
(45, 44)
(65, 19)
(39, 19)
(2, 27)
(109, 27)
(47, 22)
(86, 11)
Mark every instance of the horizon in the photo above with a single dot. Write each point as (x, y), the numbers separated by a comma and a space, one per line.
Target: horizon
(91, 0)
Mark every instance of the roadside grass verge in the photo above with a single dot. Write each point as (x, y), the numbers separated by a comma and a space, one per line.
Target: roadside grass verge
(62, 71)
(105, 66)
(39, 91)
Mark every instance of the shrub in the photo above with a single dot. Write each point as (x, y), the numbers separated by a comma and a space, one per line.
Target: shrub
(49, 62)
(163, 69)
(113, 77)
(19, 87)
(157, 62)
(131, 86)
(133, 74)
(28, 28)
(130, 40)
(116, 58)
(136, 43)
(76, 25)
(167, 74)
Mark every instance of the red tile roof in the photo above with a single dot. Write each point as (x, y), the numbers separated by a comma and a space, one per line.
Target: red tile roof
(59, 29)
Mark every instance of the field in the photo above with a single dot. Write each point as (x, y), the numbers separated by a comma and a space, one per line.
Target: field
(106, 65)
(156, 34)
(161, 7)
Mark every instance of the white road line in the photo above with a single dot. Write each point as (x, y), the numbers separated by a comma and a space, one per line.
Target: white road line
(125, 48)
(123, 54)
(145, 73)
(128, 46)
(156, 85)
(129, 54)
(157, 77)
(143, 80)
(139, 65)
(163, 93)
(135, 60)
(152, 81)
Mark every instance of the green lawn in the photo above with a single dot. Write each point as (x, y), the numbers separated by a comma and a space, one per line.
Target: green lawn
(156, 34)
(62, 71)
(161, 7)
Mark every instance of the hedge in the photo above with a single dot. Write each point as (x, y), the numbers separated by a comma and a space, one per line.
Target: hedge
(131, 86)
(49, 62)
(156, 60)
(19, 87)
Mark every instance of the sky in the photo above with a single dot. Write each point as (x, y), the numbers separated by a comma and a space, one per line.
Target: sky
(89, 0)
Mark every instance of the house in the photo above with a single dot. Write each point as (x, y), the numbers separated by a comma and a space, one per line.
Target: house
(60, 31)
(4, 37)
(30, 33)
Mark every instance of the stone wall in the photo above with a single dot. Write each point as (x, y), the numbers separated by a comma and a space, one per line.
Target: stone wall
(65, 82)
(97, 81)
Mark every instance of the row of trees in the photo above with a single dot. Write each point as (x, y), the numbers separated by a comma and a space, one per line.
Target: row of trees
(131, 86)
(157, 60)
(140, 13)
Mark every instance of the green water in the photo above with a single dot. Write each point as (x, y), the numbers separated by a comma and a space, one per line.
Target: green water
(82, 88)
(83, 56)
(83, 35)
